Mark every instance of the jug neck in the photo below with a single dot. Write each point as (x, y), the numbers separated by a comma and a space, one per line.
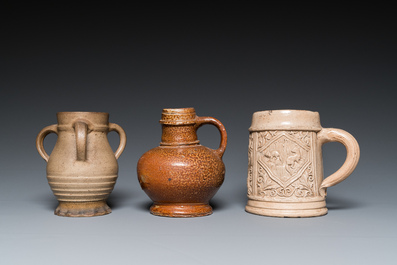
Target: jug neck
(179, 127)
(179, 135)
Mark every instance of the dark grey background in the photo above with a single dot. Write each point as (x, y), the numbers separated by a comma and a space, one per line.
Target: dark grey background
(228, 66)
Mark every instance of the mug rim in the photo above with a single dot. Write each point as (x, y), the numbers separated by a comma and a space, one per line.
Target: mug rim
(285, 111)
(285, 119)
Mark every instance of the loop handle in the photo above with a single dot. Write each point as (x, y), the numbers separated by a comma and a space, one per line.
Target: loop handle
(81, 131)
(209, 120)
(123, 138)
(352, 157)
(40, 140)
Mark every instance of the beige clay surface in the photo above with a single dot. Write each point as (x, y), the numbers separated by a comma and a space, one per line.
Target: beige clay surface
(82, 169)
(285, 168)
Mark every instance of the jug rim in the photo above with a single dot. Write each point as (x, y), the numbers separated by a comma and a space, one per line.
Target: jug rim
(178, 110)
(178, 116)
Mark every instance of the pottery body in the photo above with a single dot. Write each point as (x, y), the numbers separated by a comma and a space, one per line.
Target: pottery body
(285, 168)
(181, 176)
(82, 168)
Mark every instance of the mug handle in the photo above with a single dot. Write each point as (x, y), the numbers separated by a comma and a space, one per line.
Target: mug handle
(209, 120)
(40, 140)
(123, 138)
(352, 157)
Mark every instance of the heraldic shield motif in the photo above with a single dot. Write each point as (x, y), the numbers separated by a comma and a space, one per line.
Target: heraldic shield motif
(284, 157)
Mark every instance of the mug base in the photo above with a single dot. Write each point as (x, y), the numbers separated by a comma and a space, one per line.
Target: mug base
(180, 209)
(287, 209)
(82, 209)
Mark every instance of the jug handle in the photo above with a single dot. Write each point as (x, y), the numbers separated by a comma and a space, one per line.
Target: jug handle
(123, 138)
(40, 140)
(352, 157)
(209, 120)
(81, 131)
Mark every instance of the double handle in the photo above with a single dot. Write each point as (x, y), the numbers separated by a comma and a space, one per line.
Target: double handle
(209, 120)
(352, 157)
(81, 130)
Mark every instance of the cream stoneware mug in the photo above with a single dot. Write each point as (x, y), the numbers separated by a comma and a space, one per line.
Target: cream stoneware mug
(285, 167)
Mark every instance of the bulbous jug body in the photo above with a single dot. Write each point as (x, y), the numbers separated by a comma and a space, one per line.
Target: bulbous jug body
(180, 175)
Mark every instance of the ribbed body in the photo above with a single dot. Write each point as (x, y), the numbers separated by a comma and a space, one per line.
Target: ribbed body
(89, 180)
(81, 188)
(82, 168)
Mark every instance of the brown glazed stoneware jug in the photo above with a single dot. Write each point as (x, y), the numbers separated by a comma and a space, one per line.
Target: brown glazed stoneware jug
(82, 168)
(181, 176)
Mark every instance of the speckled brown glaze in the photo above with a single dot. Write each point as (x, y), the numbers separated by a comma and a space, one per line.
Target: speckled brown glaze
(181, 176)
(82, 169)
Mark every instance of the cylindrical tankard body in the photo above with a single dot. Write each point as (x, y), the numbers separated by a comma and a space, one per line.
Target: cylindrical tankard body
(285, 167)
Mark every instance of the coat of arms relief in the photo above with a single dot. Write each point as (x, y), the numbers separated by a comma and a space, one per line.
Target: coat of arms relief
(284, 164)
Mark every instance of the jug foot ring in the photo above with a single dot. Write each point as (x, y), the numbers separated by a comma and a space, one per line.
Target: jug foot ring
(181, 209)
(82, 209)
